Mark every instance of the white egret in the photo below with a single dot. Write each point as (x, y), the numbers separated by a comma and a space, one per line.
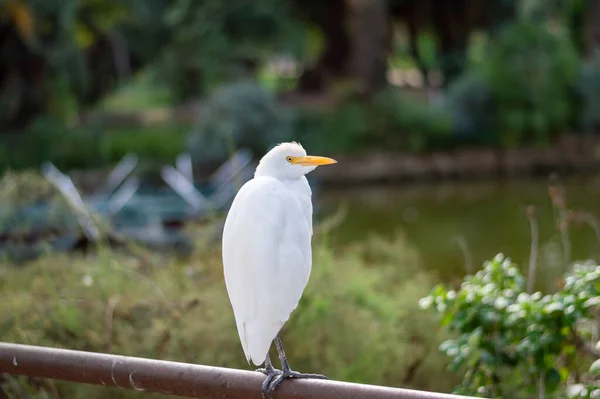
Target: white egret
(267, 255)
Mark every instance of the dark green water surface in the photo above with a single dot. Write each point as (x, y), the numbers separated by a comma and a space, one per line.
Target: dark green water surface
(486, 217)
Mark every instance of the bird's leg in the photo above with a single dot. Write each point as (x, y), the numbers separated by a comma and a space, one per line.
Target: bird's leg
(287, 371)
(268, 369)
(271, 373)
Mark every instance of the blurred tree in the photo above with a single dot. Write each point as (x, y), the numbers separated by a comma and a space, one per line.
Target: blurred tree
(214, 41)
(59, 55)
(452, 23)
(369, 32)
(356, 42)
(22, 72)
(357, 35)
(329, 18)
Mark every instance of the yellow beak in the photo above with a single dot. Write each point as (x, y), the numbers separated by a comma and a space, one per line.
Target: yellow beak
(310, 160)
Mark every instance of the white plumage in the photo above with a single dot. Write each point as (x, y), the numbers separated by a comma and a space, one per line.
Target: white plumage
(267, 246)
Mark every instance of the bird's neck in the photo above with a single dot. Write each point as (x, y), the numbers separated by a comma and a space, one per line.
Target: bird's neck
(303, 194)
(298, 186)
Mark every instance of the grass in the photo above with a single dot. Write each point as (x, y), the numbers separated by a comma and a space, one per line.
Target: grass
(358, 320)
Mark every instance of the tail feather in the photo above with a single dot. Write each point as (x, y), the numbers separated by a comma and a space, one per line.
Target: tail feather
(256, 339)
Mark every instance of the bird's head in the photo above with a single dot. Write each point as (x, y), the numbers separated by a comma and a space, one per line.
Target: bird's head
(289, 161)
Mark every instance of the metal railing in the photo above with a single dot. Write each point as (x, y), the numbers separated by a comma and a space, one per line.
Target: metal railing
(180, 379)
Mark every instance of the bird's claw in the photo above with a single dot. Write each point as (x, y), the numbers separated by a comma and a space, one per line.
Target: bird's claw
(268, 371)
(271, 373)
(295, 374)
(288, 374)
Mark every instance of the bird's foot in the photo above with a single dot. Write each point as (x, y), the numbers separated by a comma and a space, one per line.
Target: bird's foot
(267, 371)
(290, 374)
(271, 373)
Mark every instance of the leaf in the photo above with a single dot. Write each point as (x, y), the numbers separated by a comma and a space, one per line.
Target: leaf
(595, 301)
(487, 357)
(595, 367)
(552, 379)
(554, 307)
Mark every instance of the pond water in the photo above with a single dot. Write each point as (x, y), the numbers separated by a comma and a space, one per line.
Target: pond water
(456, 226)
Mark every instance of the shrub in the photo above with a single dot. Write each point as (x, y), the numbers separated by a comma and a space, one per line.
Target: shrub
(470, 102)
(159, 144)
(589, 90)
(357, 320)
(390, 121)
(512, 344)
(49, 139)
(241, 114)
(32, 211)
(523, 89)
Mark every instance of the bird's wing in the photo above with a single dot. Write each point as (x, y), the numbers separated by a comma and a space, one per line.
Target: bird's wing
(267, 261)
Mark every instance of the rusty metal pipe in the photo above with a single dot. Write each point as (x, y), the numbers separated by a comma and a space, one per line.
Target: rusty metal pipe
(181, 379)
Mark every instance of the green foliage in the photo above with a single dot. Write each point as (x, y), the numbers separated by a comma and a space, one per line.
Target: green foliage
(371, 335)
(27, 190)
(143, 92)
(532, 72)
(156, 144)
(524, 86)
(512, 344)
(356, 321)
(470, 101)
(543, 10)
(390, 120)
(215, 41)
(64, 56)
(242, 114)
(47, 50)
(49, 139)
(24, 188)
(589, 89)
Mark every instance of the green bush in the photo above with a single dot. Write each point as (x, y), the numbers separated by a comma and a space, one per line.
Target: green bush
(49, 139)
(589, 89)
(356, 321)
(241, 114)
(211, 42)
(512, 344)
(470, 102)
(390, 121)
(523, 91)
(160, 143)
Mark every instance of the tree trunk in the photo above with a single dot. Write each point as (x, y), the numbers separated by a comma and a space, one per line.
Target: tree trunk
(368, 29)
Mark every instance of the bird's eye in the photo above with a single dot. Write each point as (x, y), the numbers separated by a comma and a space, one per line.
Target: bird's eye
(289, 159)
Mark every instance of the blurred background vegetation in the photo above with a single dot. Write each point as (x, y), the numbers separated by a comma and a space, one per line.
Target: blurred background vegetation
(406, 75)
(85, 82)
